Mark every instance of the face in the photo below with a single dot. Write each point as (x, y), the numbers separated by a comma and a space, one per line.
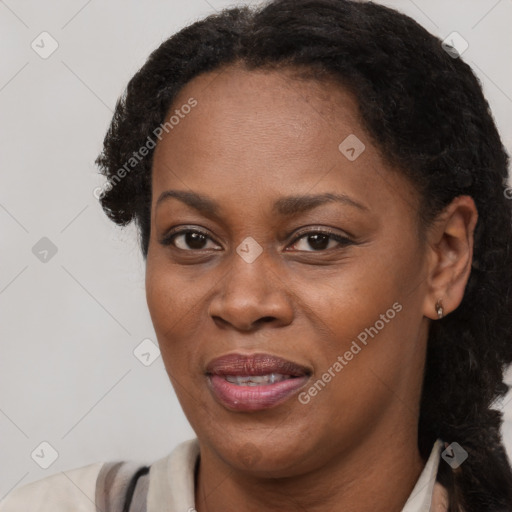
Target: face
(289, 245)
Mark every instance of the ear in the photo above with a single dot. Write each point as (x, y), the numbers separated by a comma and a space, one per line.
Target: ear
(450, 254)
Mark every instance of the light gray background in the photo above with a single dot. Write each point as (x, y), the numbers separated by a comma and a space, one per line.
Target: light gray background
(68, 327)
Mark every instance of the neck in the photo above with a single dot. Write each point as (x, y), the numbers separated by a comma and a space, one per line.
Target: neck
(376, 476)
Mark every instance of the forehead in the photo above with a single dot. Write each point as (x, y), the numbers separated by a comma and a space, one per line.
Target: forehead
(250, 114)
(270, 127)
(256, 97)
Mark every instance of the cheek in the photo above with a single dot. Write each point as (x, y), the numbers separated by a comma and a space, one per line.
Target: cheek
(368, 317)
(172, 307)
(173, 293)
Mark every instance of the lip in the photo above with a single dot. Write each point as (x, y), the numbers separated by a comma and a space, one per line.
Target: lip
(253, 398)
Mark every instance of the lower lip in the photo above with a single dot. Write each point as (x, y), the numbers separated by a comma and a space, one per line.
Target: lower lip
(254, 398)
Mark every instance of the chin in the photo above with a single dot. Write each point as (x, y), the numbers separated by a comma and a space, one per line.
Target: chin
(266, 455)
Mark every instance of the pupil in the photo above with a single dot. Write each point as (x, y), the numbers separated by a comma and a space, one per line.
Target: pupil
(195, 240)
(318, 241)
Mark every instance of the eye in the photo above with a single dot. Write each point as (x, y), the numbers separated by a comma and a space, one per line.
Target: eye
(319, 240)
(187, 240)
(197, 240)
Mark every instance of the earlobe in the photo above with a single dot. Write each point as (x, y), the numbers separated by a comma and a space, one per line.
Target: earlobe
(450, 243)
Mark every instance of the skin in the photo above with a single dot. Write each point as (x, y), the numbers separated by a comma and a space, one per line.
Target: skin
(255, 137)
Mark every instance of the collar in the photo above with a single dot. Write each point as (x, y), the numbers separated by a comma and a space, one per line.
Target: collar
(171, 483)
(420, 498)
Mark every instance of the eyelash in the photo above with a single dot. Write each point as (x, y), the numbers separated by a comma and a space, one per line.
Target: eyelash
(344, 241)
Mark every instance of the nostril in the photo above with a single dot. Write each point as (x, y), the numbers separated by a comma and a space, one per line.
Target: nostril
(219, 321)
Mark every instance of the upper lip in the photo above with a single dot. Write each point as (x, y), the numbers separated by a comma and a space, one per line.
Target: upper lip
(254, 364)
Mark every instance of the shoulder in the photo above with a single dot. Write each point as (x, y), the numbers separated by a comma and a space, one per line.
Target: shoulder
(105, 485)
(68, 490)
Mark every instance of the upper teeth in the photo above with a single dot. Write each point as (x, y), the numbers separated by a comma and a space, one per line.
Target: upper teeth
(255, 380)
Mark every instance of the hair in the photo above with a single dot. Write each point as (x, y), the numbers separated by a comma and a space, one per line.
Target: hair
(425, 111)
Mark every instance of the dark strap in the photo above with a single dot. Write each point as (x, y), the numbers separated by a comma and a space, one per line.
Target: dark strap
(122, 486)
(137, 488)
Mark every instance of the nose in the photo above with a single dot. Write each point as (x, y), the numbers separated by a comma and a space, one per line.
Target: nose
(250, 295)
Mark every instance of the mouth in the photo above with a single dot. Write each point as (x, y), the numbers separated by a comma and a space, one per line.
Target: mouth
(257, 380)
(254, 382)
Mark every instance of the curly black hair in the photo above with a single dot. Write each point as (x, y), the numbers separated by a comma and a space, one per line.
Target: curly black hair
(424, 109)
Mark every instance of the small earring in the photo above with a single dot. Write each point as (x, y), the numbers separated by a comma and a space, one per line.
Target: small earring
(439, 309)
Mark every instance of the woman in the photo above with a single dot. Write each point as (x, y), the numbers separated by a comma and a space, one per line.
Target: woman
(319, 191)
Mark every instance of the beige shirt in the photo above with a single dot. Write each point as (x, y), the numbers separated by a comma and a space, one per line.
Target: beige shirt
(171, 487)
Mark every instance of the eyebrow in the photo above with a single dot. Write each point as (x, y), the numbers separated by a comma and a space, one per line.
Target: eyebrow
(284, 206)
